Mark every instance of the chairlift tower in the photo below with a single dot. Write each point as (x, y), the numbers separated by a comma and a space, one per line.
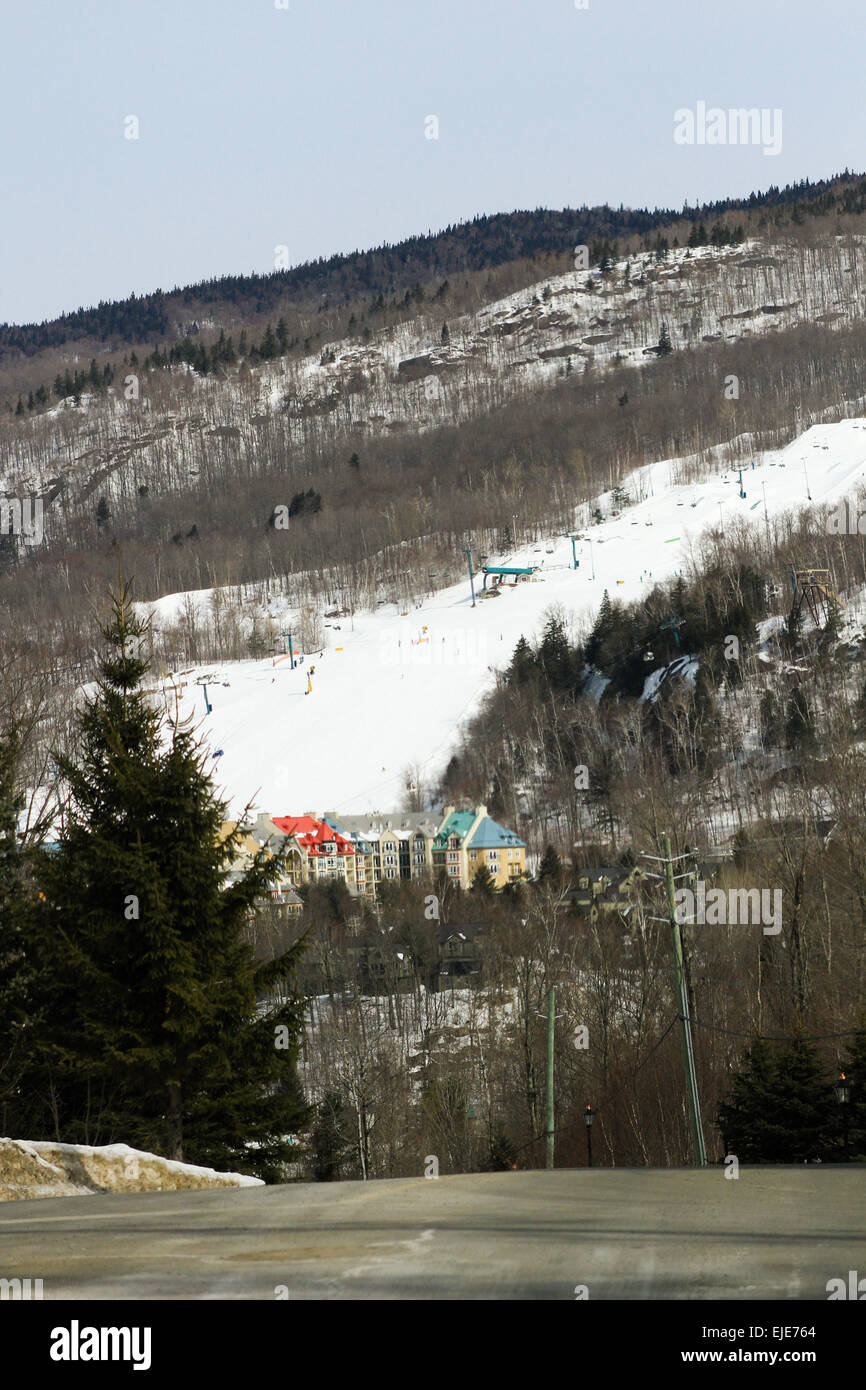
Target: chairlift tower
(813, 588)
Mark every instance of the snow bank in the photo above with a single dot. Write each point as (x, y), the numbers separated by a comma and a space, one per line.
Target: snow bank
(45, 1169)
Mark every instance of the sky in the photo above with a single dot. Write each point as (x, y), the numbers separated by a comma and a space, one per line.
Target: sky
(309, 125)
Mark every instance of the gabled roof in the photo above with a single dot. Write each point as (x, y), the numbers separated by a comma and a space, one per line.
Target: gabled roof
(491, 835)
(467, 930)
(362, 845)
(488, 834)
(458, 823)
(313, 834)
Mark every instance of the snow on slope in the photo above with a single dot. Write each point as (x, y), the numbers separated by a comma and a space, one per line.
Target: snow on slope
(395, 687)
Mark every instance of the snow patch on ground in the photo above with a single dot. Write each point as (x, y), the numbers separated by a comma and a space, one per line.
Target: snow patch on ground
(43, 1168)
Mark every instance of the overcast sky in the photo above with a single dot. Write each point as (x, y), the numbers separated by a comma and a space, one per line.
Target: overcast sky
(307, 126)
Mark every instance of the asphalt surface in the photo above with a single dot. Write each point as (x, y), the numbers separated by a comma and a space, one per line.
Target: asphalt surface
(777, 1233)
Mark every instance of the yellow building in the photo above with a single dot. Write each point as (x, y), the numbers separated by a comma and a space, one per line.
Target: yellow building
(468, 840)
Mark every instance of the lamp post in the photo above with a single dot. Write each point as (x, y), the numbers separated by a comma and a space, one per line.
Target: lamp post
(588, 1117)
(843, 1095)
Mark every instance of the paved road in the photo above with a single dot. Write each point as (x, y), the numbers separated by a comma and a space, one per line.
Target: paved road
(627, 1233)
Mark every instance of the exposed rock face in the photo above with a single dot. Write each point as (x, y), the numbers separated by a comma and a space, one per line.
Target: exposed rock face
(45, 1169)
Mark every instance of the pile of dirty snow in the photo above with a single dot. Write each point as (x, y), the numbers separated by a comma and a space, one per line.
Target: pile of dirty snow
(43, 1168)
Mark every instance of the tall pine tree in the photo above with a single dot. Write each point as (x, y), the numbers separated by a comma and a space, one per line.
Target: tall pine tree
(15, 970)
(780, 1108)
(157, 1036)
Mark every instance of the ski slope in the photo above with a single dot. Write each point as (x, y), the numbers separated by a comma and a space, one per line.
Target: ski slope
(394, 689)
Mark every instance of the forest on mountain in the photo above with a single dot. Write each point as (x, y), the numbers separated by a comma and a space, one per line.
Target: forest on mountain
(363, 280)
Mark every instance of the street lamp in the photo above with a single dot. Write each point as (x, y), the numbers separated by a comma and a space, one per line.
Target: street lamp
(842, 1087)
(588, 1117)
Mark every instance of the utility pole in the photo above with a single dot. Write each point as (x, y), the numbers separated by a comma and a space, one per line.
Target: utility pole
(471, 573)
(698, 1144)
(551, 1025)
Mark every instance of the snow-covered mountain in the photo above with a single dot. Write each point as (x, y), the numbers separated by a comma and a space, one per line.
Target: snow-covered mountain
(381, 704)
(407, 379)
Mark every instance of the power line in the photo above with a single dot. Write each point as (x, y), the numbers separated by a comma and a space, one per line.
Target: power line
(778, 1037)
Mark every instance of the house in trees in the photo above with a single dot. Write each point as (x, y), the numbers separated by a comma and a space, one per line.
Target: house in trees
(364, 854)
(461, 953)
(468, 840)
(282, 891)
(265, 831)
(328, 855)
(315, 851)
(400, 845)
(600, 892)
(378, 963)
(597, 892)
(371, 849)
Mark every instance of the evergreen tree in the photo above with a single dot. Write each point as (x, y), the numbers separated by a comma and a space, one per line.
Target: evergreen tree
(446, 336)
(550, 868)
(555, 656)
(330, 1140)
(501, 1154)
(799, 726)
(794, 626)
(157, 1035)
(770, 718)
(780, 1108)
(482, 882)
(665, 346)
(855, 1072)
(523, 666)
(602, 627)
(15, 972)
(268, 347)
